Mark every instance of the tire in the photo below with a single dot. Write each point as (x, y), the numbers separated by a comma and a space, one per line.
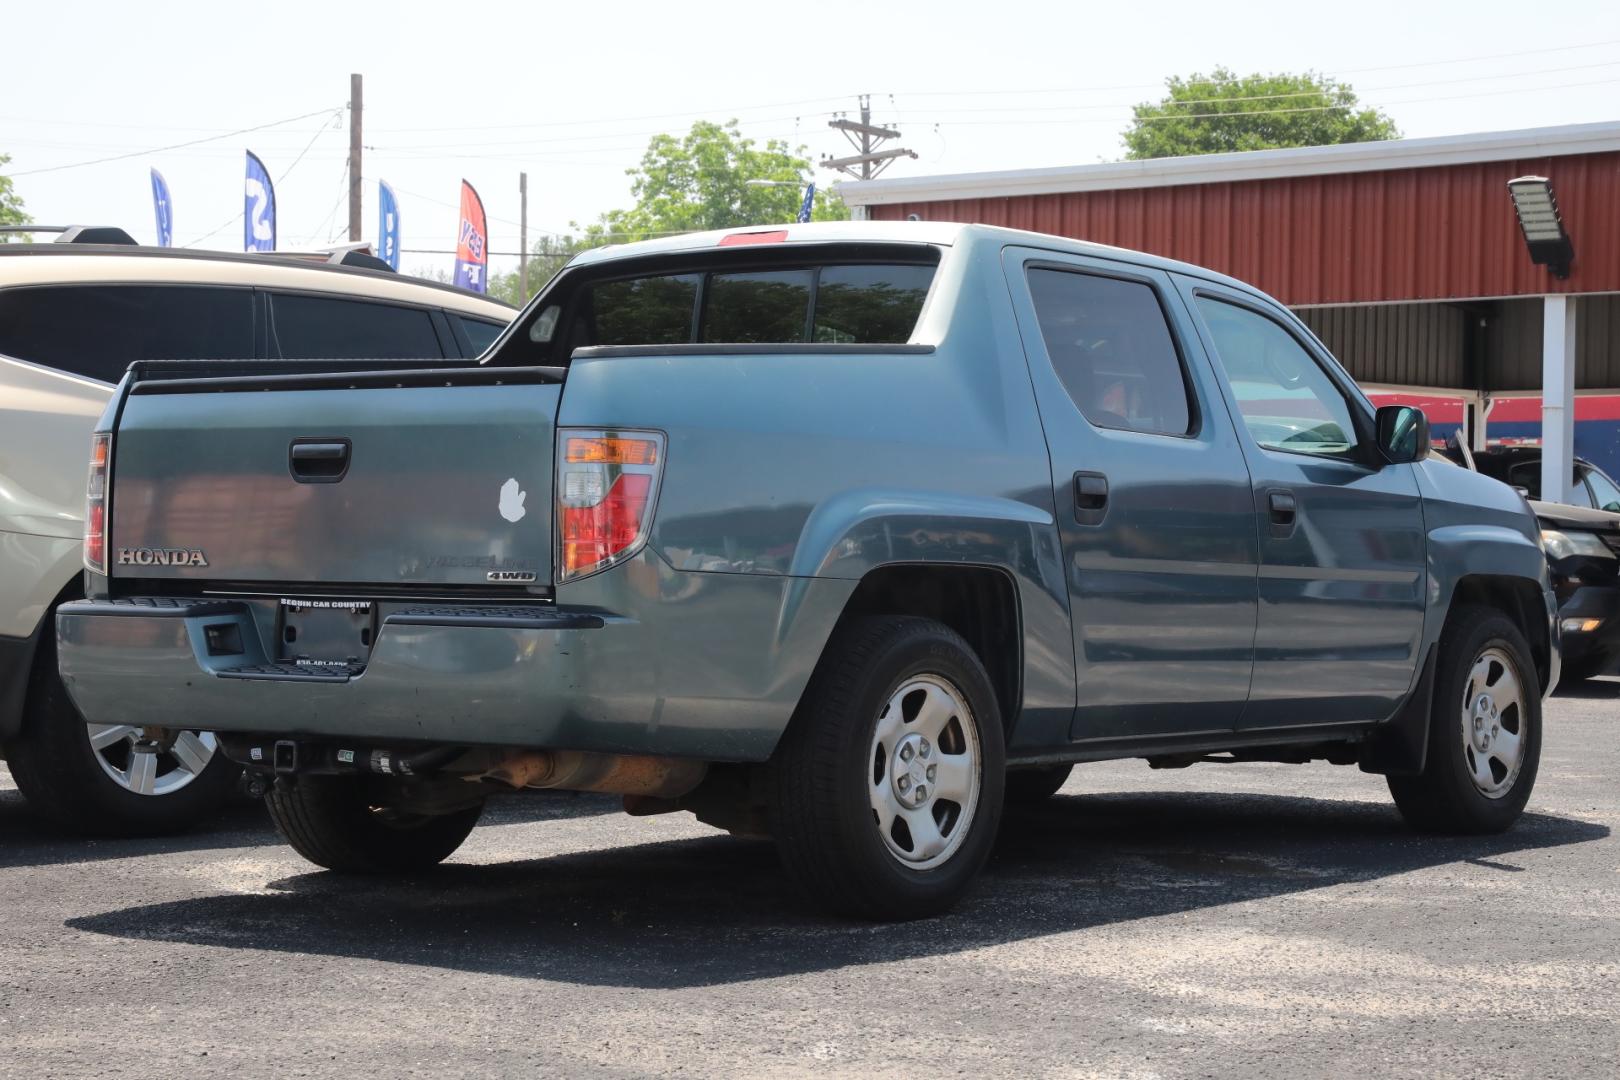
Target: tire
(1464, 788)
(895, 701)
(79, 788)
(333, 822)
(1031, 787)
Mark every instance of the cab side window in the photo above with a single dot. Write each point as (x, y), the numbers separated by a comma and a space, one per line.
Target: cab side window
(1111, 347)
(1287, 401)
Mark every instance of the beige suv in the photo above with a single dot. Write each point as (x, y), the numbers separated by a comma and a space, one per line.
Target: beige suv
(73, 316)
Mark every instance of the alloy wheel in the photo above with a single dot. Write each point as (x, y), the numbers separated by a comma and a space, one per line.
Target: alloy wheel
(1493, 723)
(925, 774)
(149, 766)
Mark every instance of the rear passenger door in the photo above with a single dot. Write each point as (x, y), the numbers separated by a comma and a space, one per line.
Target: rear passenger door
(1154, 503)
(1342, 543)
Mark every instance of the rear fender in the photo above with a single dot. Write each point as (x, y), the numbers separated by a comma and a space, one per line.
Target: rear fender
(856, 532)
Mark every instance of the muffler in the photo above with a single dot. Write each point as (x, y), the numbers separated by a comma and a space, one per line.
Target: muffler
(578, 770)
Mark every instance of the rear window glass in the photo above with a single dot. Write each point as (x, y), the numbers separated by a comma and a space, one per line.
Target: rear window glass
(645, 311)
(875, 304)
(870, 303)
(97, 331)
(306, 327)
(755, 309)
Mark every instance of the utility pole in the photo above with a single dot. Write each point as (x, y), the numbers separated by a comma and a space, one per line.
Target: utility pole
(523, 236)
(867, 139)
(355, 104)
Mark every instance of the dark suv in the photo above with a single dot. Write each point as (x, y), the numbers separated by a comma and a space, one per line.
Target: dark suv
(1581, 539)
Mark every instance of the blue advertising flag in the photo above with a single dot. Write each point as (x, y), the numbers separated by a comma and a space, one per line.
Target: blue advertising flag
(258, 208)
(808, 204)
(387, 225)
(163, 209)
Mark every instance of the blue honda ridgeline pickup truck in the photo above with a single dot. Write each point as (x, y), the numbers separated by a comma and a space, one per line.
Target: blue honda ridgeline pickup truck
(844, 534)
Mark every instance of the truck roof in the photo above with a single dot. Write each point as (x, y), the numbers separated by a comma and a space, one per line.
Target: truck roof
(936, 233)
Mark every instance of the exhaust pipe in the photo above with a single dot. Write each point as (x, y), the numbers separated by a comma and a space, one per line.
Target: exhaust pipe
(578, 770)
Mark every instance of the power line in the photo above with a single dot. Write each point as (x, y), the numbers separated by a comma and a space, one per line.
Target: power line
(729, 110)
(174, 146)
(406, 150)
(216, 230)
(1278, 112)
(570, 138)
(321, 131)
(1359, 91)
(1217, 82)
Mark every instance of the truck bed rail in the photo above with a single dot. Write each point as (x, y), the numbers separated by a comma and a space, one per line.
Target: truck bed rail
(234, 376)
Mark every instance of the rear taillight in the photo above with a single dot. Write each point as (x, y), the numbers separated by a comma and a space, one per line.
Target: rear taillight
(607, 483)
(95, 504)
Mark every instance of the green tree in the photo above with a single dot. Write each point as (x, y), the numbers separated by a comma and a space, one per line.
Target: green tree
(547, 255)
(11, 205)
(1222, 112)
(700, 181)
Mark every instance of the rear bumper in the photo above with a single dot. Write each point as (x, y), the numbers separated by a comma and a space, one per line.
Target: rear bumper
(706, 668)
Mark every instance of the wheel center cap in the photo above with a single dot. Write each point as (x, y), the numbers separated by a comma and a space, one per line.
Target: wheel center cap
(912, 770)
(1484, 722)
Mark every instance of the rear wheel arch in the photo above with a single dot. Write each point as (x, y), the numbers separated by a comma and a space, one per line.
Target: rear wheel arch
(978, 602)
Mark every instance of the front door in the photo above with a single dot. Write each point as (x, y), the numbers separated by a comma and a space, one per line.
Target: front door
(1342, 543)
(1154, 502)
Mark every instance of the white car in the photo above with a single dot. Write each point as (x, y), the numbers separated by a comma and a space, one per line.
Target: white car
(73, 316)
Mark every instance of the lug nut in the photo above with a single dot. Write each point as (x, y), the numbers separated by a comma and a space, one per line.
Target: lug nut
(922, 792)
(905, 753)
(931, 770)
(905, 783)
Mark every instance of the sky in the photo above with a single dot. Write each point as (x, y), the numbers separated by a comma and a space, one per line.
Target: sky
(571, 93)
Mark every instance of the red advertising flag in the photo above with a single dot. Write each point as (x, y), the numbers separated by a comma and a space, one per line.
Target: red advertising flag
(472, 243)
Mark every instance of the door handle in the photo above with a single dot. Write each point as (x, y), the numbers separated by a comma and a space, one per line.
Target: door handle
(1090, 497)
(318, 461)
(1284, 510)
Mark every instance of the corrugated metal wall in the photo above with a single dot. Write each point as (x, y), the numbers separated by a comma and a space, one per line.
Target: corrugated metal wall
(1513, 344)
(1427, 344)
(1396, 344)
(1446, 232)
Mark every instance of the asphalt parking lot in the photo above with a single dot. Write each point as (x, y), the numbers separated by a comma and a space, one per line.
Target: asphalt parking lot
(1254, 920)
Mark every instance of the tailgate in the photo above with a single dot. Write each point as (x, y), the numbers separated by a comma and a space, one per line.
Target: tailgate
(436, 479)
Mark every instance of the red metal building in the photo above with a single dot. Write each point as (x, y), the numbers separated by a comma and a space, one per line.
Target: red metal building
(1406, 257)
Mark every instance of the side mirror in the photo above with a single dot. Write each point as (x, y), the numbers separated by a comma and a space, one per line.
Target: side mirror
(1403, 434)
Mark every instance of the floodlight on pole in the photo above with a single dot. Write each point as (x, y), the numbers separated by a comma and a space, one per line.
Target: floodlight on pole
(1542, 225)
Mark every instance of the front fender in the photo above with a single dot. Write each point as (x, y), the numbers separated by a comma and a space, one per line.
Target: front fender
(1459, 551)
